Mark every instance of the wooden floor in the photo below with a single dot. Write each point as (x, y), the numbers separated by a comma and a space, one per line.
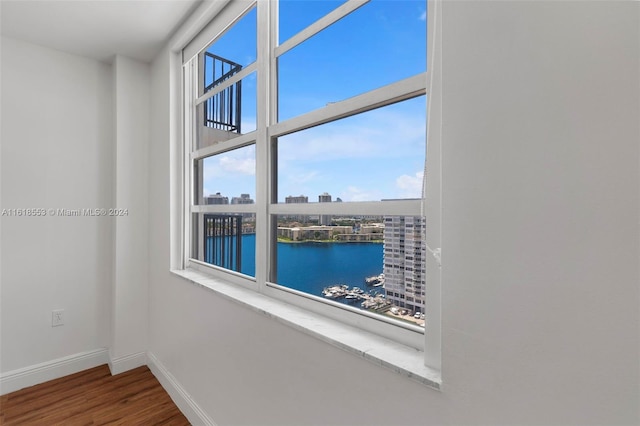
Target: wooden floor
(93, 397)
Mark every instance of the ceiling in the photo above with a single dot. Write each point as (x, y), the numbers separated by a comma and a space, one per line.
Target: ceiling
(97, 29)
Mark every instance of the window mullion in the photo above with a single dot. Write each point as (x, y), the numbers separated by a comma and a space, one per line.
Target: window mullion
(224, 208)
(223, 146)
(262, 141)
(271, 178)
(319, 25)
(374, 208)
(433, 189)
(227, 83)
(401, 90)
(189, 76)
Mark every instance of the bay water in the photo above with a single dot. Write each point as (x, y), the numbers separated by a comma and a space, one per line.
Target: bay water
(312, 266)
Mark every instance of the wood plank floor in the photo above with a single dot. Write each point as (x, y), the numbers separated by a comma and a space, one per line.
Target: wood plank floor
(93, 397)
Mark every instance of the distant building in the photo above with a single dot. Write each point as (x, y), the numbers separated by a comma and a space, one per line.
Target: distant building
(245, 199)
(216, 199)
(368, 217)
(297, 200)
(242, 199)
(324, 198)
(319, 232)
(358, 237)
(404, 256)
(324, 219)
(372, 228)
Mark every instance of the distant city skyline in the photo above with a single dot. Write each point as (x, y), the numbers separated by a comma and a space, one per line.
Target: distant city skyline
(219, 198)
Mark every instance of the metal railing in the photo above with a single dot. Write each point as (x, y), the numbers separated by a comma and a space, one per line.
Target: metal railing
(223, 240)
(222, 110)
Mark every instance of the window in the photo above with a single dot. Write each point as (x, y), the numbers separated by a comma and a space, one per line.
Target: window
(220, 103)
(306, 159)
(388, 46)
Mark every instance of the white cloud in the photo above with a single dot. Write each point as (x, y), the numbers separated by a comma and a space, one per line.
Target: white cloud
(410, 186)
(244, 166)
(304, 177)
(423, 17)
(231, 173)
(353, 193)
(392, 131)
(358, 158)
(240, 162)
(298, 182)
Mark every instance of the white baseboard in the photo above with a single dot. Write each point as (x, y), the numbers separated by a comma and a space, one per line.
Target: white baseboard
(127, 362)
(33, 375)
(178, 394)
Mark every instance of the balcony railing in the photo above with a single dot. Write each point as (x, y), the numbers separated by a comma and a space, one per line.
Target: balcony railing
(222, 110)
(223, 240)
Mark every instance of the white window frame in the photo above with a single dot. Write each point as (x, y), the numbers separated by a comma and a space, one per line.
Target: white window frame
(268, 129)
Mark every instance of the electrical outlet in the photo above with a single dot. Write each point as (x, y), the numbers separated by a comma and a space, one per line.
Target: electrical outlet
(57, 317)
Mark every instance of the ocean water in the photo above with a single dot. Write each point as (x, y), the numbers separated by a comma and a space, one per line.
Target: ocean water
(310, 267)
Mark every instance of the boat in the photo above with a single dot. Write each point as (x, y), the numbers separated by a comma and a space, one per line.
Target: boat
(335, 291)
(376, 280)
(375, 302)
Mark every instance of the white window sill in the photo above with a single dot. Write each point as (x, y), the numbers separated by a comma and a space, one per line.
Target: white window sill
(399, 358)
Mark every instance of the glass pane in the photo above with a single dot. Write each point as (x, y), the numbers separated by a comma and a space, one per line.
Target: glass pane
(227, 114)
(380, 43)
(226, 178)
(368, 262)
(296, 15)
(228, 54)
(227, 240)
(372, 156)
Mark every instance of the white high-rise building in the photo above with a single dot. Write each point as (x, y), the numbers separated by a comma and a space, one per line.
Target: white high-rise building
(404, 254)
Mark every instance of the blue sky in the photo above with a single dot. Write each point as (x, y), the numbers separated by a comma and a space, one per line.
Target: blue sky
(371, 156)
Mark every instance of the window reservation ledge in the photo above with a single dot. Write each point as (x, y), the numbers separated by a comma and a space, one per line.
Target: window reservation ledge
(399, 358)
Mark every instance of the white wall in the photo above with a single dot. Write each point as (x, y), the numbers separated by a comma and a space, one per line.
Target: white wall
(56, 153)
(75, 135)
(131, 193)
(540, 245)
(540, 225)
